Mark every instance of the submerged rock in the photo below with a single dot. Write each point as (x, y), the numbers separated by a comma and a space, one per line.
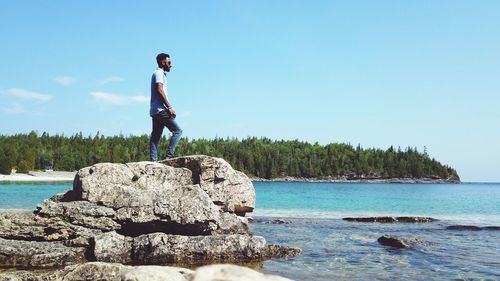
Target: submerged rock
(183, 210)
(472, 227)
(392, 242)
(278, 221)
(399, 242)
(392, 219)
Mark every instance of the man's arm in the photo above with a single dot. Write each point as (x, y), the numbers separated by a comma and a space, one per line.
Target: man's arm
(159, 87)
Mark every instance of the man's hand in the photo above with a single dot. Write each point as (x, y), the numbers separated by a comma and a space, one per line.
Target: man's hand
(172, 111)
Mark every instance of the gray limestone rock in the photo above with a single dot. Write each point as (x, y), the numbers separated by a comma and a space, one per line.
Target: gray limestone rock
(227, 187)
(160, 248)
(184, 210)
(101, 271)
(113, 247)
(31, 254)
(155, 273)
(229, 272)
(29, 227)
(82, 213)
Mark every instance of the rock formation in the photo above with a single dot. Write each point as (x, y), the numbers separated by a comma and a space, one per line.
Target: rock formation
(119, 272)
(187, 210)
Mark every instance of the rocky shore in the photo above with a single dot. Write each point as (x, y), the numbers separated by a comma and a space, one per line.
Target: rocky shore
(358, 180)
(40, 176)
(188, 210)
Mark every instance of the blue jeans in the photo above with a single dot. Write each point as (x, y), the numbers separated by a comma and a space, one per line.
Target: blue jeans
(160, 121)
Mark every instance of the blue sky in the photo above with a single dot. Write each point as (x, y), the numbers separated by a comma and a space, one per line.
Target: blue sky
(375, 73)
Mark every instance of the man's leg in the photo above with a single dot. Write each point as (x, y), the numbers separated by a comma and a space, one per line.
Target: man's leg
(176, 136)
(155, 136)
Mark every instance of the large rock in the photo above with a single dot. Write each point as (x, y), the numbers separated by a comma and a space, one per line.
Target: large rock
(184, 210)
(161, 248)
(148, 195)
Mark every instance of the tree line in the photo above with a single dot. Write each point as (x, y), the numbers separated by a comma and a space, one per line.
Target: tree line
(258, 157)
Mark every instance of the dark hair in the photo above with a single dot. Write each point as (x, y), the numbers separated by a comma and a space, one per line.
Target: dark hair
(161, 57)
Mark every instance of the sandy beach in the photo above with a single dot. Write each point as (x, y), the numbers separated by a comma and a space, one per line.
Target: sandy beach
(38, 176)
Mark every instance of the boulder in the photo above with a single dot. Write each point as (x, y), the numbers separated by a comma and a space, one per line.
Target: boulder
(148, 195)
(392, 242)
(183, 210)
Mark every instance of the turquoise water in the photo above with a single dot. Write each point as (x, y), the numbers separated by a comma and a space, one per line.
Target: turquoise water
(27, 195)
(469, 202)
(334, 249)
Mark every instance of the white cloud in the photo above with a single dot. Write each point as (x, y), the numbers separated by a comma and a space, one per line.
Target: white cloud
(111, 79)
(109, 98)
(25, 94)
(186, 114)
(15, 108)
(65, 80)
(140, 98)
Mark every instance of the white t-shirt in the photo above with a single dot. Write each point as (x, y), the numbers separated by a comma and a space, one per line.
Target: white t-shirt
(156, 103)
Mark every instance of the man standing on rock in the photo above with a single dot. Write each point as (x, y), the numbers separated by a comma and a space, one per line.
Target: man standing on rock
(161, 110)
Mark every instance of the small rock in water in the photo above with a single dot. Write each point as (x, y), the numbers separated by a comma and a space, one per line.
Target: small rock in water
(491, 228)
(392, 242)
(472, 227)
(278, 221)
(399, 242)
(463, 227)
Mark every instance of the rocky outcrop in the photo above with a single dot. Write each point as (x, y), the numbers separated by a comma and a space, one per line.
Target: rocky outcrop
(183, 210)
(119, 272)
(392, 219)
(31, 254)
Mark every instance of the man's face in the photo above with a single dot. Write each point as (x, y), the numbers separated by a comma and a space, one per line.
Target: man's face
(166, 64)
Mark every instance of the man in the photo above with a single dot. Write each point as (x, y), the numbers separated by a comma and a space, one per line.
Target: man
(161, 110)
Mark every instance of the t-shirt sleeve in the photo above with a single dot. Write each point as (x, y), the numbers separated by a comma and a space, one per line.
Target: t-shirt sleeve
(159, 77)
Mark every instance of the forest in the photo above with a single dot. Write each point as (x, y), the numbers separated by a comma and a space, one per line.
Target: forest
(257, 157)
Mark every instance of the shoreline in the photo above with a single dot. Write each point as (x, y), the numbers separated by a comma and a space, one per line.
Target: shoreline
(358, 180)
(65, 176)
(39, 176)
